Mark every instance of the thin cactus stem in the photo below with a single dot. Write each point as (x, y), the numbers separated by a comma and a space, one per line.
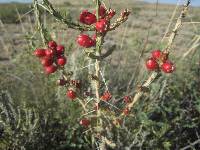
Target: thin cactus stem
(167, 50)
(49, 7)
(39, 24)
(97, 74)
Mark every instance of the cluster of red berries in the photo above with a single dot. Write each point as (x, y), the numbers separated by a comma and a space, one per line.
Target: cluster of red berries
(106, 96)
(51, 58)
(159, 60)
(101, 25)
(126, 99)
(71, 94)
(76, 84)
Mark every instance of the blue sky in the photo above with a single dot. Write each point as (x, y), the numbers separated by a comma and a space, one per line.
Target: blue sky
(194, 2)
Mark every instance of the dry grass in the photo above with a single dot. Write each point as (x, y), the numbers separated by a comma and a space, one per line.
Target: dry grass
(143, 32)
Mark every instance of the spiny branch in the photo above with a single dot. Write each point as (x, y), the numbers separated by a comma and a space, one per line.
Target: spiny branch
(177, 27)
(70, 24)
(123, 18)
(167, 50)
(39, 24)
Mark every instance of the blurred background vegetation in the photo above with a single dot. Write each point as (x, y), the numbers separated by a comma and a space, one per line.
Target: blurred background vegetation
(35, 113)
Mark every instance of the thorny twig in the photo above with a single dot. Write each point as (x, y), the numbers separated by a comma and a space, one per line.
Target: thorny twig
(49, 7)
(167, 50)
(123, 18)
(39, 24)
(70, 24)
(99, 41)
(177, 27)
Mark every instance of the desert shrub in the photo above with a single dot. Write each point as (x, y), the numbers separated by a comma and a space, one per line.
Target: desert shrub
(35, 113)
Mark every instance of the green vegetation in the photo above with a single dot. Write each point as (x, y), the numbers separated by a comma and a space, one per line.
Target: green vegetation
(9, 13)
(35, 114)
